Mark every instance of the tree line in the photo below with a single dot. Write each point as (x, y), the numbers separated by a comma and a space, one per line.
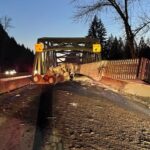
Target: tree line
(122, 10)
(113, 47)
(14, 55)
(20, 58)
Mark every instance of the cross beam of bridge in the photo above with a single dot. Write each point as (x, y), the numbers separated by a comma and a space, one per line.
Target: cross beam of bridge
(69, 43)
(62, 50)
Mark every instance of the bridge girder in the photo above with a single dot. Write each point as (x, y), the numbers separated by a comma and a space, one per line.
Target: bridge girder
(58, 50)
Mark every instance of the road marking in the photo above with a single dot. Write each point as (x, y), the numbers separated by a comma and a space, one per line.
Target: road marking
(15, 78)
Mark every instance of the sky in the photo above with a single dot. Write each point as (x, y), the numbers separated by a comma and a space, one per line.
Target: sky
(32, 19)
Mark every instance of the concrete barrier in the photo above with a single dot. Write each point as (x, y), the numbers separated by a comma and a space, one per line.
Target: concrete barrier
(91, 70)
(137, 89)
(115, 84)
(9, 84)
(133, 87)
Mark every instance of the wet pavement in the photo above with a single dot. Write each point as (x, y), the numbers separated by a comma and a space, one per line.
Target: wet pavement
(18, 117)
(90, 117)
(72, 116)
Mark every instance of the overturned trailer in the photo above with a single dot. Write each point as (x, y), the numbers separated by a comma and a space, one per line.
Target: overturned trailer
(58, 59)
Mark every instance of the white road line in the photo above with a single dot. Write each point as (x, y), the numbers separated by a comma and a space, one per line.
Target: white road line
(15, 78)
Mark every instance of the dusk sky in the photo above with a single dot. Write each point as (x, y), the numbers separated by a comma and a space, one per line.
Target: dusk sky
(32, 19)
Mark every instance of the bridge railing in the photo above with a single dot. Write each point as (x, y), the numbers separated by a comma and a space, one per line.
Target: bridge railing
(130, 69)
(144, 70)
(122, 69)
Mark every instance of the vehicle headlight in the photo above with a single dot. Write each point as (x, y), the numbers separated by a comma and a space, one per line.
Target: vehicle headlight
(6, 72)
(10, 72)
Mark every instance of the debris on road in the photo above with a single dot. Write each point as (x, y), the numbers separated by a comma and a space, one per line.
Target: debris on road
(74, 104)
(18, 95)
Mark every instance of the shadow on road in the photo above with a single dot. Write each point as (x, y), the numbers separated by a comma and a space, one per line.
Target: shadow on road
(45, 111)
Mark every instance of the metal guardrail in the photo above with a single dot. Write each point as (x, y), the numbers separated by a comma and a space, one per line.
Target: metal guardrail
(15, 78)
(12, 83)
(3, 75)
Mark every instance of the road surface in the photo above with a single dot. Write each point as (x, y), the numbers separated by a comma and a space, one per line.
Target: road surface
(72, 116)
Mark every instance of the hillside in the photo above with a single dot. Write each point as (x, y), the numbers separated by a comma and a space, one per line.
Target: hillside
(14, 55)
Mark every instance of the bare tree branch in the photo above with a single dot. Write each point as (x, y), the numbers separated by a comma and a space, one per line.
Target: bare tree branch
(6, 22)
(88, 9)
(145, 26)
(121, 7)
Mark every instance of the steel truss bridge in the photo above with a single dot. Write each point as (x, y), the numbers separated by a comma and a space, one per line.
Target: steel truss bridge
(64, 50)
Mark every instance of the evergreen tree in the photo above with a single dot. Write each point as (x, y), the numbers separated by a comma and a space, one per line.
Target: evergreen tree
(108, 47)
(13, 55)
(3, 46)
(114, 48)
(115, 51)
(121, 48)
(122, 8)
(97, 30)
(142, 43)
(148, 42)
(144, 49)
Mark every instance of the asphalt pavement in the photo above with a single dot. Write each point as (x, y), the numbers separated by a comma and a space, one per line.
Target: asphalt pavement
(72, 116)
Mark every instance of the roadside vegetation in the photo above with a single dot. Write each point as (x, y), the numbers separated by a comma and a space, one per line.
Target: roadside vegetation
(129, 14)
(13, 55)
(114, 48)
